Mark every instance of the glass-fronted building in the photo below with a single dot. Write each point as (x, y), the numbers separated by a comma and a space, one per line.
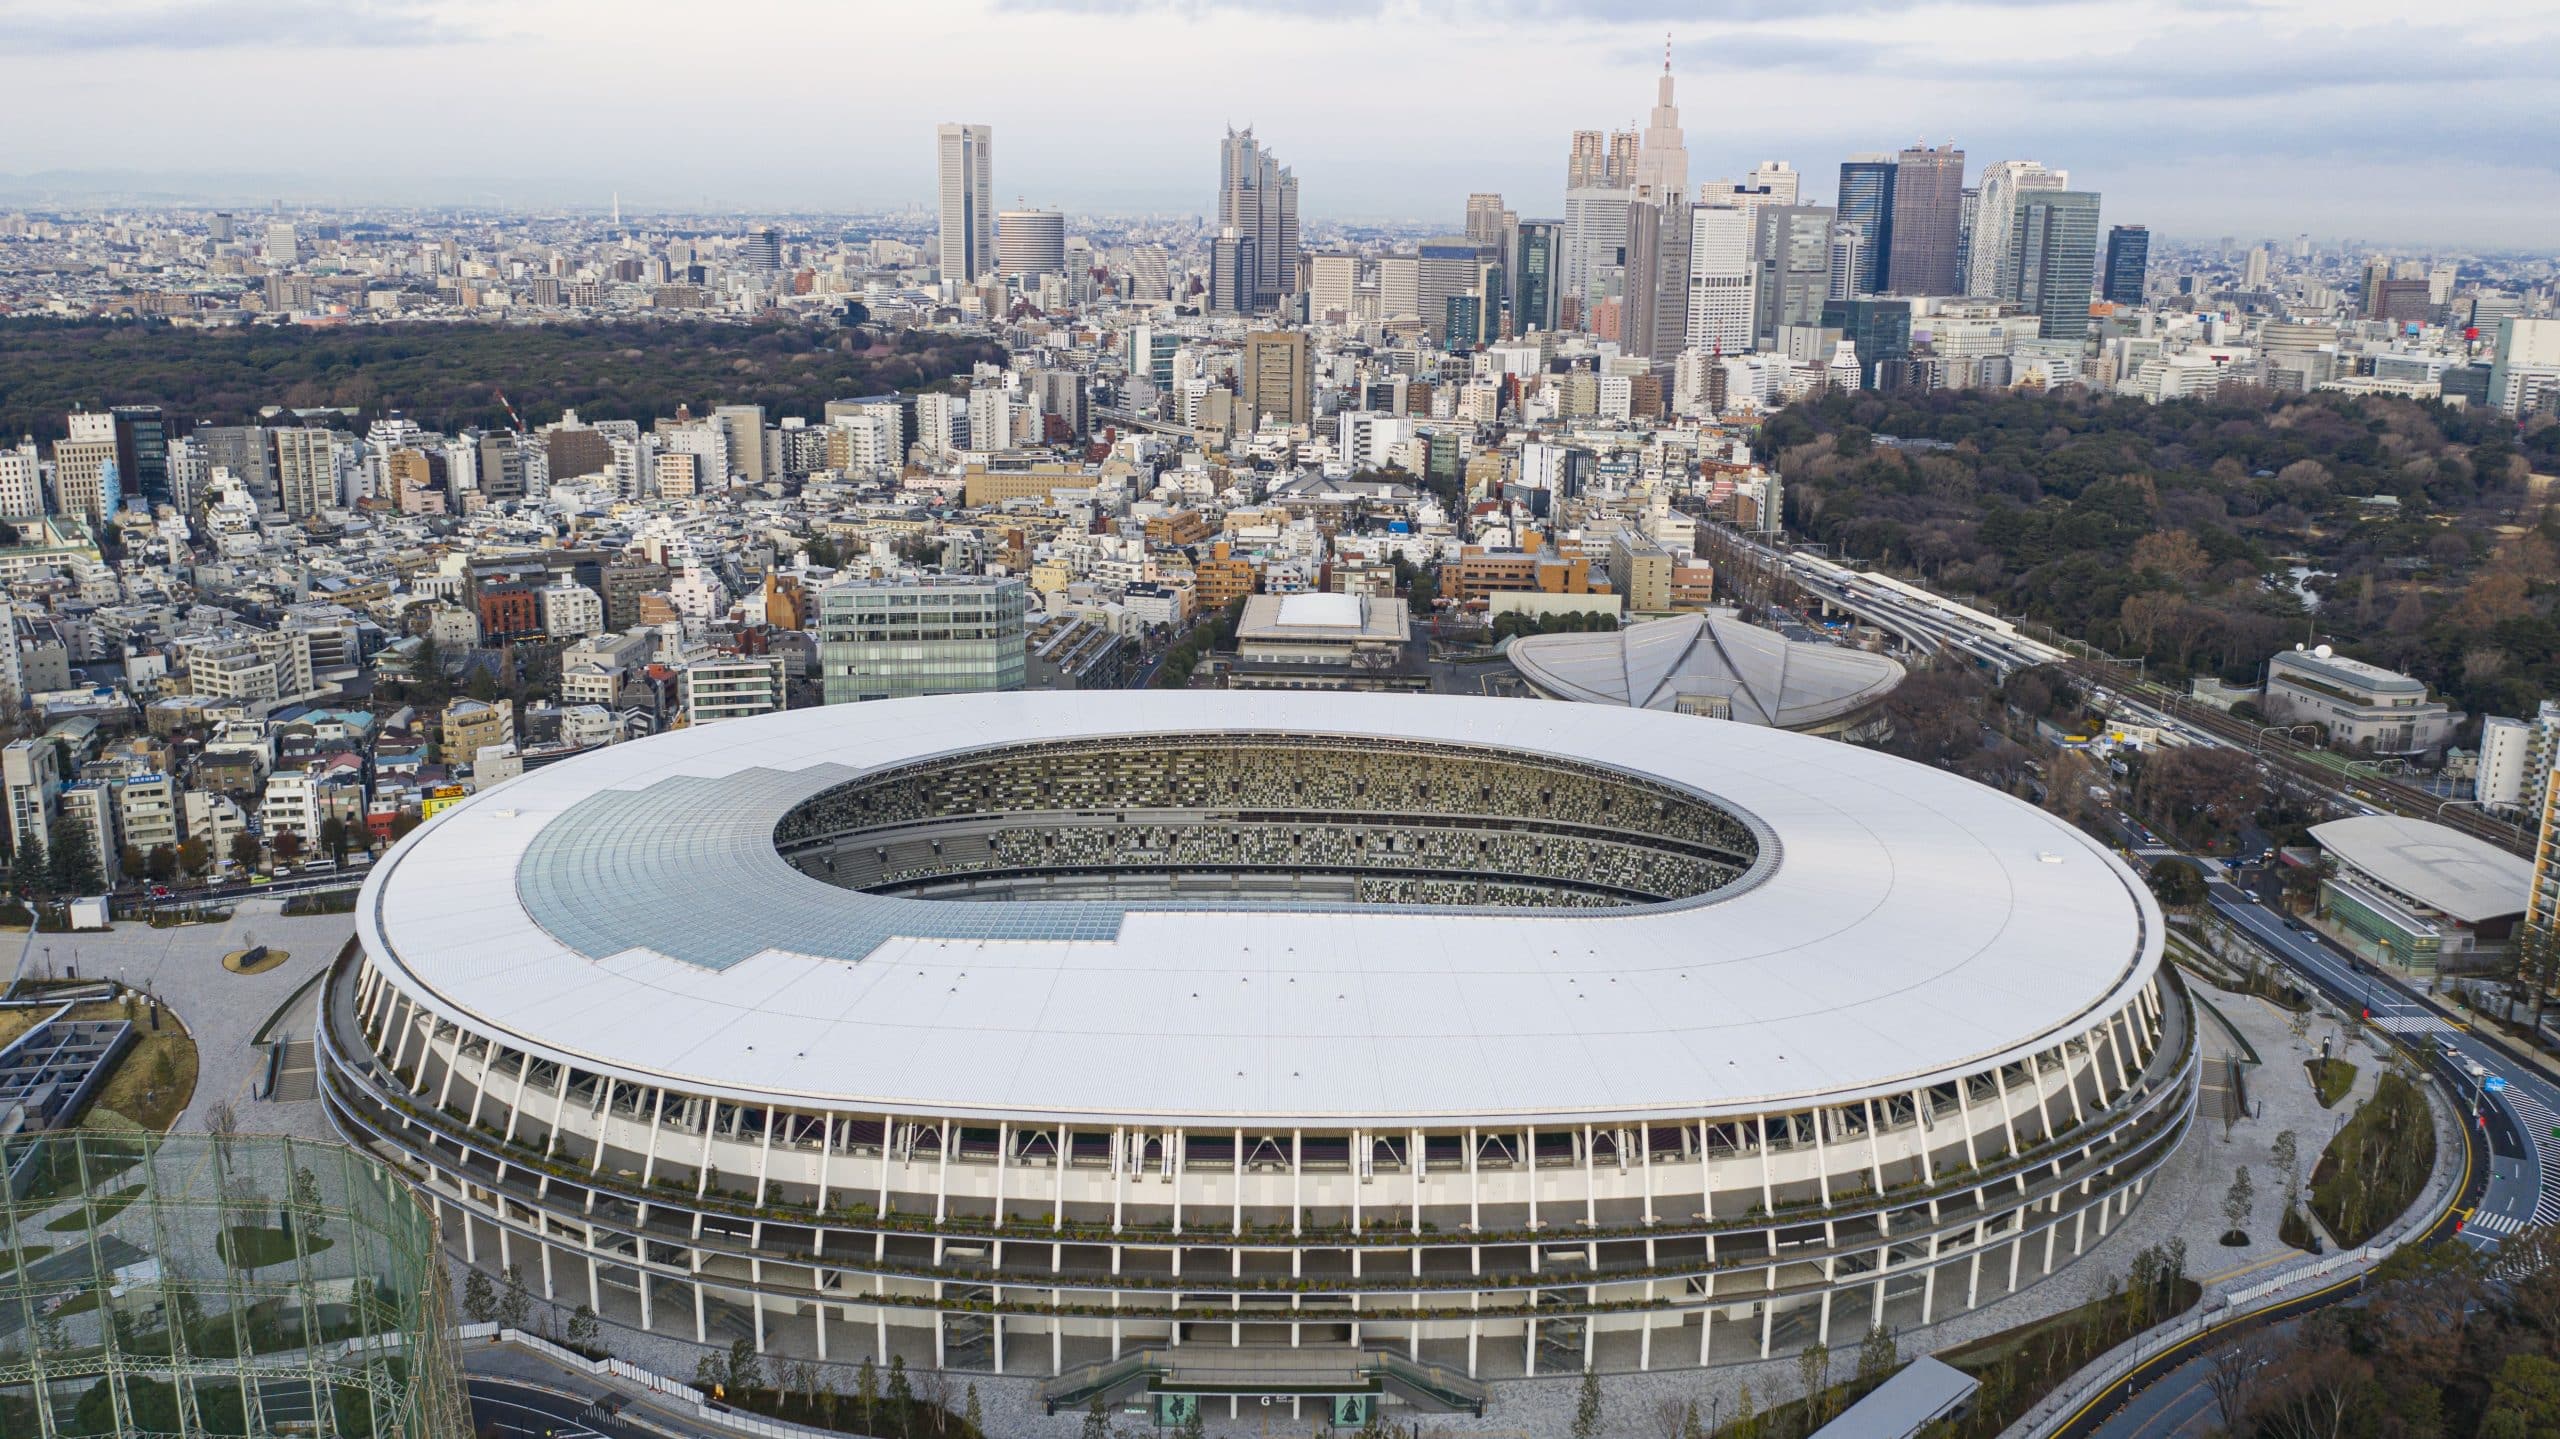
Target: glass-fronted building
(928, 635)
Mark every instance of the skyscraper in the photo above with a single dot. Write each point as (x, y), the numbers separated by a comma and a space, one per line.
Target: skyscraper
(1586, 165)
(1662, 160)
(1620, 171)
(761, 251)
(1791, 267)
(967, 159)
(2055, 245)
(1928, 194)
(1258, 199)
(1534, 262)
(1595, 219)
(1233, 266)
(1484, 217)
(1866, 201)
(1996, 220)
(1720, 306)
(1848, 257)
(2128, 263)
(1654, 323)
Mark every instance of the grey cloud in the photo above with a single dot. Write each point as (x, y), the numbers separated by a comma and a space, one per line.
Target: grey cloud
(215, 24)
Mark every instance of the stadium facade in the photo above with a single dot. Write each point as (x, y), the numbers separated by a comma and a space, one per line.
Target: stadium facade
(1024, 1032)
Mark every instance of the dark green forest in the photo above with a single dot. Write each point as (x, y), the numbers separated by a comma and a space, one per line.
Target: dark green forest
(448, 376)
(2170, 532)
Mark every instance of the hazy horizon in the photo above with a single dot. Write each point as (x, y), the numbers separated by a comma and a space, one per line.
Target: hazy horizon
(2197, 119)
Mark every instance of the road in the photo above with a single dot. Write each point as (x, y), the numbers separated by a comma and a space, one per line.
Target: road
(2521, 1112)
(520, 1411)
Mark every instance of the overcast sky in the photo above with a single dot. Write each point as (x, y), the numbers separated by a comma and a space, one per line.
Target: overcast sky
(2427, 124)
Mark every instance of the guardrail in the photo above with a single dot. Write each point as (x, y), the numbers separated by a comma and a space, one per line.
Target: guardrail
(687, 1399)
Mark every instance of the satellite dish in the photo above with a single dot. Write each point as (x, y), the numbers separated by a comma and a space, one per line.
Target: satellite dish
(2324, 652)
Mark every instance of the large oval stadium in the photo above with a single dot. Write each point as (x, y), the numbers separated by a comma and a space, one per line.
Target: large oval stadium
(1029, 1033)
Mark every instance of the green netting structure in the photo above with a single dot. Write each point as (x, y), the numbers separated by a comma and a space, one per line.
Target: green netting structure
(197, 1284)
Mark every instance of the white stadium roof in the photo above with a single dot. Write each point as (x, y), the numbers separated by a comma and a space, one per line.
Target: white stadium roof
(1766, 677)
(2440, 867)
(1905, 924)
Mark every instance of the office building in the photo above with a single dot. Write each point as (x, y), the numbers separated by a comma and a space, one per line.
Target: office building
(2128, 263)
(1928, 195)
(85, 478)
(2362, 706)
(1272, 378)
(1451, 267)
(142, 453)
(761, 251)
(1662, 157)
(1399, 288)
(1258, 200)
(1990, 273)
(1333, 287)
(2054, 249)
(1791, 256)
(730, 687)
(2524, 376)
(1587, 166)
(1595, 221)
(1720, 310)
(1866, 202)
(1533, 276)
(967, 163)
(933, 635)
(1776, 181)
(743, 425)
(1485, 218)
(1031, 243)
(1654, 323)
(1234, 264)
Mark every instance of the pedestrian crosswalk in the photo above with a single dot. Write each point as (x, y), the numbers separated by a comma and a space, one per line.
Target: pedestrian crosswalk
(2412, 1024)
(2543, 1128)
(2498, 1224)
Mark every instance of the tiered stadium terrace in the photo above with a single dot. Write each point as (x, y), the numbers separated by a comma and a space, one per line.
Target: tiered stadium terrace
(1025, 1032)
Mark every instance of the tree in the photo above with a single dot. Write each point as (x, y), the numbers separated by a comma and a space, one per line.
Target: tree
(746, 1367)
(287, 846)
(866, 1388)
(1746, 1414)
(2236, 1203)
(1586, 1407)
(333, 838)
(902, 1395)
(195, 856)
(28, 873)
(161, 864)
(71, 858)
(976, 1417)
(129, 858)
(583, 1328)
(2287, 1153)
(1097, 1420)
(2229, 1374)
(1878, 1355)
(515, 1306)
(244, 850)
(479, 1298)
(1813, 1371)
(711, 1375)
(2177, 884)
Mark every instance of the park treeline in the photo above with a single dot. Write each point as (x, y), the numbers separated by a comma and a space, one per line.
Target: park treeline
(2202, 535)
(449, 376)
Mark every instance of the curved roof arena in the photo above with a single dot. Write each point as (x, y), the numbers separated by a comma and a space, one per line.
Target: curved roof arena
(628, 911)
